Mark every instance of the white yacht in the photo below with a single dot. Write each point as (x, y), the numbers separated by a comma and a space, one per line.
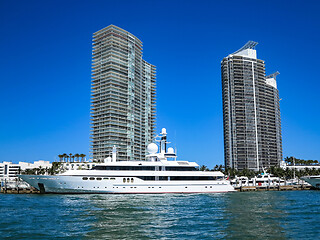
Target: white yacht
(156, 175)
(313, 180)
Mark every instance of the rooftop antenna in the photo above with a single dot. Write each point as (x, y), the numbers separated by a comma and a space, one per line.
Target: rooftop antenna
(273, 75)
(248, 45)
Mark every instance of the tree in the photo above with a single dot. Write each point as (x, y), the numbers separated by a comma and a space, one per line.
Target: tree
(65, 156)
(77, 156)
(70, 154)
(204, 168)
(215, 168)
(82, 157)
(60, 157)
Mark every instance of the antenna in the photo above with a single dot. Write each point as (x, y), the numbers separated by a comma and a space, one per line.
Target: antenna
(273, 75)
(248, 45)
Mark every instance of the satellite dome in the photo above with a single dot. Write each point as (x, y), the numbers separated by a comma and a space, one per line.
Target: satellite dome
(152, 148)
(163, 131)
(170, 150)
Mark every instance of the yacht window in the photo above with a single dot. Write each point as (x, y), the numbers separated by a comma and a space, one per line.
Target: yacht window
(181, 169)
(124, 180)
(84, 178)
(147, 178)
(191, 178)
(163, 178)
(92, 178)
(99, 178)
(105, 178)
(112, 178)
(132, 180)
(125, 168)
(128, 180)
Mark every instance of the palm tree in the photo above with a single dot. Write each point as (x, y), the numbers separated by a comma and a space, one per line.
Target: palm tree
(215, 168)
(82, 156)
(77, 156)
(60, 157)
(203, 168)
(65, 156)
(70, 154)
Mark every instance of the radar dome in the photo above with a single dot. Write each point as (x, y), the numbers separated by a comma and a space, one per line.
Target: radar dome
(152, 148)
(163, 131)
(170, 150)
(108, 159)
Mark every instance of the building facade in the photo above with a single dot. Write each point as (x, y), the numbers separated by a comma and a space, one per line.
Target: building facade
(251, 112)
(123, 91)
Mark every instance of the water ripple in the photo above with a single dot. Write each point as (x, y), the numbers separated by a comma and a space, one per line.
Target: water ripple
(252, 215)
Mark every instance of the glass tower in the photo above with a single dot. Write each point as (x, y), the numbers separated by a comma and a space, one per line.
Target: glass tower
(123, 89)
(251, 112)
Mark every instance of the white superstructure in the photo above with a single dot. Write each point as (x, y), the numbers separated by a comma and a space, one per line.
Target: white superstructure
(156, 175)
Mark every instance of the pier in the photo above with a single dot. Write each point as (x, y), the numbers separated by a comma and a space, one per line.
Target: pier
(19, 190)
(273, 188)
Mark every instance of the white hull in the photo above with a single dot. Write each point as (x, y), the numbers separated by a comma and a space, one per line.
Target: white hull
(313, 180)
(76, 184)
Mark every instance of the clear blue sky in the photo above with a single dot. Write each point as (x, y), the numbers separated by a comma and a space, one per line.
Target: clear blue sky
(45, 68)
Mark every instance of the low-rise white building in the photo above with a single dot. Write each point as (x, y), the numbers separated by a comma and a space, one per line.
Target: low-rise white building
(9, 170)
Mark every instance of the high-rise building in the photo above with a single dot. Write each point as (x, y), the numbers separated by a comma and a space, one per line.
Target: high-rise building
(123, 91)
(251, 112)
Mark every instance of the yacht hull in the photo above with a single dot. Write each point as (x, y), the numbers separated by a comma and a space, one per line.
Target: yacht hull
(313, 180)
(76, 184)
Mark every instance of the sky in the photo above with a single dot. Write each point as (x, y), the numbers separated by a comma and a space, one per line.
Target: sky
(45, 70)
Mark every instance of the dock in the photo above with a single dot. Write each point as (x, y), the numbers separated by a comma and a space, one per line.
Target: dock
(273, 188)
(19, 190)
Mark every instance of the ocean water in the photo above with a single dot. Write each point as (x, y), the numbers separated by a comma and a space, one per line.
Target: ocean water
(246, 215)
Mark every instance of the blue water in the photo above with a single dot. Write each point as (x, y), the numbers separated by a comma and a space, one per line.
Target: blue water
(247, 215)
